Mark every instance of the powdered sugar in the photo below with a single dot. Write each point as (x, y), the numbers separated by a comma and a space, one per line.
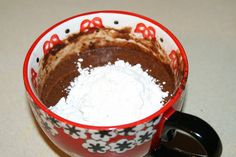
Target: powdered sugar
(113, 94)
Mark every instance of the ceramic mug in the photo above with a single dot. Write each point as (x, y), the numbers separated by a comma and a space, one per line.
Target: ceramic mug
(135, 139)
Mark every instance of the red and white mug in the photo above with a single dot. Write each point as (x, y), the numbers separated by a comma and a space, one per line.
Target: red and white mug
(136, 139)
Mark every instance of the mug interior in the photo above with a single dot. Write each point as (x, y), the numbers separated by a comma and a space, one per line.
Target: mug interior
(168, 42)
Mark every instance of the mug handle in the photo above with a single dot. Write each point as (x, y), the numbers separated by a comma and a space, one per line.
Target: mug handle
(196, 128)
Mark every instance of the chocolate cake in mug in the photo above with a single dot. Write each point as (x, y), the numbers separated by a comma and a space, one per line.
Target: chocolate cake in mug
(98, 38)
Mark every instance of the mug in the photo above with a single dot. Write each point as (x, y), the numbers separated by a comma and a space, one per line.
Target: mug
(135, 139)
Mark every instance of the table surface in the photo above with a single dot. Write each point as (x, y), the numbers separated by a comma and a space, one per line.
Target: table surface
(207, 30)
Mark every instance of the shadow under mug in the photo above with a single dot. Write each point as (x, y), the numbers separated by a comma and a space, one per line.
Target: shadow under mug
(136, 139)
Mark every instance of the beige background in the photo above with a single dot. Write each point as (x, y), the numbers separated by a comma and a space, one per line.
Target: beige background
(207, 30)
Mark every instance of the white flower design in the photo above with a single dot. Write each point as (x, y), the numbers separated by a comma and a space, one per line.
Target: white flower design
(43, 119)
(122, 145)
(102, 135)
(144, 136)
(55, 122)
(95, 146)
(46, 124)
(130, 131)
(74, 132)
(33, 107)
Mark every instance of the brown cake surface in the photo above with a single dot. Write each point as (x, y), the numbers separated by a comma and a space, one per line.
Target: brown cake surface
(98, 47)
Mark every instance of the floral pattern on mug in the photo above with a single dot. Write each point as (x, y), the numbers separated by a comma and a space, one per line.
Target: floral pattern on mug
(46, 124)
(148, 32)
(99, 141)
(49, 44)
(74, 132)
(33, 78)
(55, 122)
(88, 25)
(174, 61)
(44, 120)
(144, 136)
(122, 145)
(102, 135)
(130, 131)
(94, 146)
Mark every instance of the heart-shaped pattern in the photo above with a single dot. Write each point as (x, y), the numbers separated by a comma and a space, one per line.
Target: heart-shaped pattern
(33, 77)
(148, 32)
(49, 44)
(174, 61)
(86, 25)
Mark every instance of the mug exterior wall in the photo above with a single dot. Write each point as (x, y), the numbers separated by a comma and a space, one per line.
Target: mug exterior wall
(113, 142)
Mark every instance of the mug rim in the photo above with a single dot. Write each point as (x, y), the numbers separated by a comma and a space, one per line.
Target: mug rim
(168, 105)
